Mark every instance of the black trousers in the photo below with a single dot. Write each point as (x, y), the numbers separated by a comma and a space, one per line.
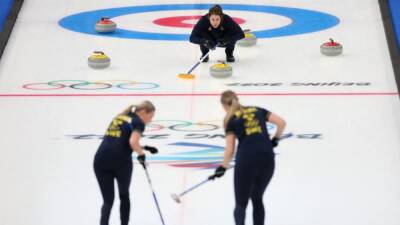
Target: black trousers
(228, 49)
(250, 182)
(106, 173)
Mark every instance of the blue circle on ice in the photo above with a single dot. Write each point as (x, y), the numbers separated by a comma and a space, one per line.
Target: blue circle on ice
(302, 20)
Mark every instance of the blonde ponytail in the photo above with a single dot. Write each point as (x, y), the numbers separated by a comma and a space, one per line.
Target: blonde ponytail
(230, 99)
(147, 106)
(127, 110)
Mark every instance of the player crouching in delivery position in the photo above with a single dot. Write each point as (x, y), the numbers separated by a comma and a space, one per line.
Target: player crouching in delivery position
(216, 29)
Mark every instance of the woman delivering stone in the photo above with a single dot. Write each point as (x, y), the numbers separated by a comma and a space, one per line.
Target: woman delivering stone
(216, 29)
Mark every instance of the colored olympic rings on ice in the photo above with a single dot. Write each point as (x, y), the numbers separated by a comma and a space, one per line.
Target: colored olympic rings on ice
(181, 125)
(187, 126)
(87, 85)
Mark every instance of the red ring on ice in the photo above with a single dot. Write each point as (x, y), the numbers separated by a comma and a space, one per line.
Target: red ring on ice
(179, 21)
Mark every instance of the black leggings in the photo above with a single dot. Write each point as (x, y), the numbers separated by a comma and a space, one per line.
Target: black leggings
(250, 182)
(105, 176)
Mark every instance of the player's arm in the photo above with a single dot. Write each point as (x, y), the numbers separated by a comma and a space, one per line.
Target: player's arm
(134, 142)
(230, 140)
(279, 122)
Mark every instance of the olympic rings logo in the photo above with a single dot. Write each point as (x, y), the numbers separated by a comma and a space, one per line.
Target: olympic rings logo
(187, 126)
(90, 86)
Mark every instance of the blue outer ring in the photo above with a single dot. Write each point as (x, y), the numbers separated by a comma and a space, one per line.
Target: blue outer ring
(303, 21)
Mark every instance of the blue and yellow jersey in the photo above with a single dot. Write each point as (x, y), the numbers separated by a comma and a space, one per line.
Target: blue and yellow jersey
(250, 128)
(116, 138)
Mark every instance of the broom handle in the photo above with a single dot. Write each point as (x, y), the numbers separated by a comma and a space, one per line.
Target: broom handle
(200, 60)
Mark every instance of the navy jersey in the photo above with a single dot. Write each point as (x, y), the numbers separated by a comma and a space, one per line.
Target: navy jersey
(228, 29)
(250, 128)
(116, 139)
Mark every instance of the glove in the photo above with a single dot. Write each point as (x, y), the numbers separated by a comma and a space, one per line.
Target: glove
(151, 149)
(142, 160)
(222, 42)
(219, 172)
(275, 141)
(208, 44)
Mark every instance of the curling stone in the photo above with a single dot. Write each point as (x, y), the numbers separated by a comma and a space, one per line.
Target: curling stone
(331, 48)
(249, 39)
(221, 70)
(98, 60)
(105, 25)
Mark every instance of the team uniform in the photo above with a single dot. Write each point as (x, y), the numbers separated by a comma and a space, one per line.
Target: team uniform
(254, 162)
(113, 160)
(228, 30)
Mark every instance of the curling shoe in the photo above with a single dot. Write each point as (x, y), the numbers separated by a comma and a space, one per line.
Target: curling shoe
(230, 58)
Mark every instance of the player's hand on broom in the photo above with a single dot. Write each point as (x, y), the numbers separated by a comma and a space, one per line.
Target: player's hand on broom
(275, 142)
(142, 160)
(208, 43)
(219, 172)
